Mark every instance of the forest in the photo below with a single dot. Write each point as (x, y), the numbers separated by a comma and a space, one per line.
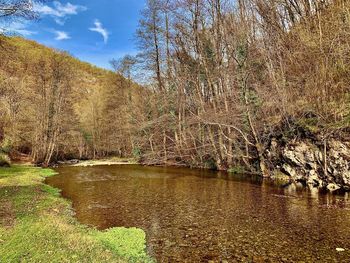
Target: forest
(54, 107)
(221, 78)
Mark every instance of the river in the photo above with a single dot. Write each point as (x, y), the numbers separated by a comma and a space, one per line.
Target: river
(194, 215)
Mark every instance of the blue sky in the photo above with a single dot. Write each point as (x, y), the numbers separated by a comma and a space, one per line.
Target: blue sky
(92, 30)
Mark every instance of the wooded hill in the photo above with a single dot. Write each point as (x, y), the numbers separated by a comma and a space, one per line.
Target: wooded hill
(54, 107)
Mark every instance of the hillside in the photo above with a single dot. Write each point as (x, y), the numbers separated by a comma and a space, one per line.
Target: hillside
(54, 106)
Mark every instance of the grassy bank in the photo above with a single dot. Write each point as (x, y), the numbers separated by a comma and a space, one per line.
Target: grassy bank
(37, 225)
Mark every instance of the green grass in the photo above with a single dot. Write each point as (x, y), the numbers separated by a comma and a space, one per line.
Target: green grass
(133, 240)
(37, 225)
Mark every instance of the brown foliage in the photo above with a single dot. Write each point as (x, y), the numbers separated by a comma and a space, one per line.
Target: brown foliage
(234, 70)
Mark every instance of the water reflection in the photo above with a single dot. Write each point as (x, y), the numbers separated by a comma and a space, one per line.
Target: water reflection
(196, 215)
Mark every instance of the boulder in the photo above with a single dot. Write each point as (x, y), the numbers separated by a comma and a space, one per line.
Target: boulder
(314, 179)
(303, 161)
(333, 187)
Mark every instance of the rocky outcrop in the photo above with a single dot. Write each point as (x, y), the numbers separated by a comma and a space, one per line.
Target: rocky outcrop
(316, 163)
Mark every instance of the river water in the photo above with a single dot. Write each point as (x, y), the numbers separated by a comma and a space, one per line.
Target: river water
(203, 216)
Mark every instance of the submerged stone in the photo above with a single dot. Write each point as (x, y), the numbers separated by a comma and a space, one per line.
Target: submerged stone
(333, 187)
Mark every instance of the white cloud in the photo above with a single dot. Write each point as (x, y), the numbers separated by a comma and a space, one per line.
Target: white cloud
(60, 21)
(99, 29)
(16, 28)
(61, 35)
(59, 11)
(68, 9)
(45, 10)
(25, 32)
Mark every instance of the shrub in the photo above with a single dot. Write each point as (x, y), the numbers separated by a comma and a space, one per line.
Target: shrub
(4, 160)
(6, 146)
(236, 170)
(136, 152)
(210, 164)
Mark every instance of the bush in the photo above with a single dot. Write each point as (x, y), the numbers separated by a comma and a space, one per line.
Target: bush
(136, 152)
(6, 146)
(210, 164)
(236, 170)
(4, 160)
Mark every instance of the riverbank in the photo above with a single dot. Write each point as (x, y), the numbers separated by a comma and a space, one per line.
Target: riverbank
(107, 161)
(294, 161)
(37, 225)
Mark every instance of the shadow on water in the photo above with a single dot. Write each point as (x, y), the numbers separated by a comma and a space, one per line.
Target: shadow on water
(193, 215)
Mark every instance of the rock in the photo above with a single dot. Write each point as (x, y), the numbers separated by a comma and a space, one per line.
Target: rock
(346, 177)
(281, 177)
(314, 179)
(339, 249)
(289, 170)
(183, 245)
(69, 162)
(295, 154)
(332, 187)
(303, 161)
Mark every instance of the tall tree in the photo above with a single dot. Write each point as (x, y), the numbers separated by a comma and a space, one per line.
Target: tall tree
(55, 101)
(150, 40)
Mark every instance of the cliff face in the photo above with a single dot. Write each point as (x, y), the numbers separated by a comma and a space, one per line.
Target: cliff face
(316, 162)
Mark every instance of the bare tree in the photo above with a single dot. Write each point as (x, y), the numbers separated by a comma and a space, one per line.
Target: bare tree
(150, 40)
(18, 9)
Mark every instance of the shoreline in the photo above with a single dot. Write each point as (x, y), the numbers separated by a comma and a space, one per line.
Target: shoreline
(276, 175)
(111, 161)
(38, 224)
